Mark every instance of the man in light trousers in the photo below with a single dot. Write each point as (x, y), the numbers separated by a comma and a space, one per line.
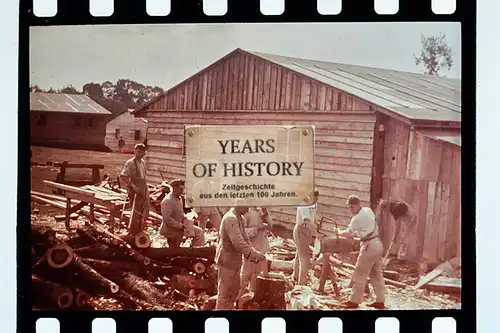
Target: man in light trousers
(405, 219)
(303, 233)
(369, 263)
(257, 222)
(233, 245)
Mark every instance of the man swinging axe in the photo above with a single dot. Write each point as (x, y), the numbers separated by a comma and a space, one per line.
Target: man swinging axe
(133, 176)
(405, 219)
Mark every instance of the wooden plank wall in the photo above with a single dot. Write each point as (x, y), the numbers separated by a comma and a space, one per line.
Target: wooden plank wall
(60, 129)
(127, 124)
(245, 82)
(427, 174)
(343, 157)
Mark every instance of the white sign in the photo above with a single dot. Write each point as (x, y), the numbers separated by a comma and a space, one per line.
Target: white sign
(249, 165)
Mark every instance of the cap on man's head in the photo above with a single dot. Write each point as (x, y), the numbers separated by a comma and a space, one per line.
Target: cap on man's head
(176, 183)
(353, 200)
(140, 146)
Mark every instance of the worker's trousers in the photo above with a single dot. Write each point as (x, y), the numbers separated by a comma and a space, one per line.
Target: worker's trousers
(206, 215)
(228, 286)
(369, 264)
(408, 224)
(249, 273)
(303, 237)
(140, 213)
(175, 239)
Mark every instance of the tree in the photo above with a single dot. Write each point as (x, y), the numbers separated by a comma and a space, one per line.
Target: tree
(93, 89)
(69, 89)
(435, 55)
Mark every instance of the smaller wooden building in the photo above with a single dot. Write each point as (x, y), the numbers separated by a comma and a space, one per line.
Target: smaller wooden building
(127, 126)
(67, 121)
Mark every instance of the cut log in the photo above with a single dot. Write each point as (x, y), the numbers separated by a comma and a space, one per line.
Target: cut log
(143, 289)
(142, 240)
(161, 254)
(78, 275)
(114, 270)
(280, 265)
(103, 252)
(335, 245)
(51, 294)
(81, 298)
(270, 293)
(59, 256)
(111, 240)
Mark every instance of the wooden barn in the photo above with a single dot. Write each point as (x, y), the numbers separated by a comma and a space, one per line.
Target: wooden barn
(67, 121)
(379, 133)
(132, 129)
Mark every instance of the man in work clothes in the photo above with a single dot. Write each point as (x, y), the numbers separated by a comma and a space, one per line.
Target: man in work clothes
(369, 263)
(133, 176)
(405, 219)
(233, 244)
(256, 222)
(121, 144)
(303, 233)
(208, 213)
(172, 212)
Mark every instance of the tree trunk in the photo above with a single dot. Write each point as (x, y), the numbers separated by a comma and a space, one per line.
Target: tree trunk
(103, 252)
(114, 270)
(111, 240)
(50, 294)
(270, 293)
(143, 289)
(78, 275)
(166, 253)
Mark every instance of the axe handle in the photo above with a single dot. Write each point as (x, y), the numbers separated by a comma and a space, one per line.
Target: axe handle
(387, 253)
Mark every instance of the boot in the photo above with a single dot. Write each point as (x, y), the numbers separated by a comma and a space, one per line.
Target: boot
(350, 305)
(377, 305)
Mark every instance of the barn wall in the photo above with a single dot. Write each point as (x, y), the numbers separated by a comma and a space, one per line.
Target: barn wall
(426, 173)
(127, 124)
(60, 128)
(343, 159)
(246, 82)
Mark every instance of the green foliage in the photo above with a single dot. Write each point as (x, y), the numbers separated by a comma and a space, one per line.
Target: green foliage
(435, 55)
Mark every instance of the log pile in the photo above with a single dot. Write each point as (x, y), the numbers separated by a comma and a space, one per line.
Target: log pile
(96, 264)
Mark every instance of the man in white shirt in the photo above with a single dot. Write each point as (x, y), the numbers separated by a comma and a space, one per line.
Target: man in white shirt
(369, 264)
(256, 222)
(303, 233)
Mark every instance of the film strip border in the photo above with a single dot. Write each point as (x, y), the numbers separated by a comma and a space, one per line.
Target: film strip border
(43, 12)
(274, 324)
(59, 12)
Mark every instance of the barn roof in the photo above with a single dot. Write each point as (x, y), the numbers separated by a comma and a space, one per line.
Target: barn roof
(414, 96)
(411, 95)
(73, 103)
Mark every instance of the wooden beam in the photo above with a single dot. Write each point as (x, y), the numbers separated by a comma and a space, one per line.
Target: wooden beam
(69, 188)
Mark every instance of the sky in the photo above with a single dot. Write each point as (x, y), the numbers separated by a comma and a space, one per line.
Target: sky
(164, 55)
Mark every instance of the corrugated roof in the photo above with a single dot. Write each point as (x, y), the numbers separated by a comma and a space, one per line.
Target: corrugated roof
(415, 96)
(52, 102)
(447, 136)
